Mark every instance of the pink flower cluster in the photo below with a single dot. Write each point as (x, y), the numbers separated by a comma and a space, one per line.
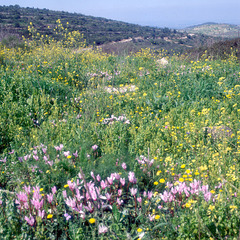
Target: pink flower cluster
(97, 194)
(32, 202)
(177, 192)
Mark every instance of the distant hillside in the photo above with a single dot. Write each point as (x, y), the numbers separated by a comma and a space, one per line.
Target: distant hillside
(113, 36)
(217, 50)
(222, 30)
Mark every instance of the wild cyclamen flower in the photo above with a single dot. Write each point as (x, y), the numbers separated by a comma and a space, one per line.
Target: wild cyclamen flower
(75, 154)
(37, 204)
(44, 150)
(54, 190)
(50, 197)
(64, 194)
(26, 157)
(36, 157)
(116, 175)
(110, 179)
(94, 147)
(92, 174)
(98, 178)
(27, 189)
(59, 148)
(3, 160)
(108, 196)
(12, 152)
(102, 229)
(30, 220)
(119, 192)
(93, 194)
(41, 213)
(71, 185)
(66, 154)
(151, 218)
(22, 197)
(133, 191)
(119, 202)
(131, 177)
(124, 166)
(71, 202)
(103, 184)
(122, 181)
(150, 195)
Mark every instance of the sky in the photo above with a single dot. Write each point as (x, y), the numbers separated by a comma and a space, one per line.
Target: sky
(156, 13)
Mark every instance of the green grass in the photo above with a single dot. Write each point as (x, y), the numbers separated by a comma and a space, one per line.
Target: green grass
(154, 118)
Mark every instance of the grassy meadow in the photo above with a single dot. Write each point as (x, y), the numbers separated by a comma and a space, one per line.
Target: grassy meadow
(97, 146)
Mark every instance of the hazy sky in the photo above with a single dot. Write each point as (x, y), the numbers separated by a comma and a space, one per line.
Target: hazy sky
(159, 13)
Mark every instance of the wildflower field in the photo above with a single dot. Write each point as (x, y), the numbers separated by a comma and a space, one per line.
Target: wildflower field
(96, 146)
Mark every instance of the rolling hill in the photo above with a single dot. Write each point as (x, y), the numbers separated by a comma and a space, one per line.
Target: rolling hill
(112, 36)
(222, 30)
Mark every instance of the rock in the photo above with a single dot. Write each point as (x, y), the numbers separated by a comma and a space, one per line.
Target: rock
(162, 61)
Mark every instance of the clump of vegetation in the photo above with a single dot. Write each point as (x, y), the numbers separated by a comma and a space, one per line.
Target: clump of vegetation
(101, 146)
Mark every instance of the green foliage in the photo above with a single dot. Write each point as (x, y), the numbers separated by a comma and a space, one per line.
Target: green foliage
(67, 116)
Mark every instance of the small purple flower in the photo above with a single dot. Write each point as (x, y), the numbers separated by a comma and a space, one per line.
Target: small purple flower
(12, 152)
(67, 216)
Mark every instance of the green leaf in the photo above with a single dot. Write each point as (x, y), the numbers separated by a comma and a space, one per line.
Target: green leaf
(159, 225)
